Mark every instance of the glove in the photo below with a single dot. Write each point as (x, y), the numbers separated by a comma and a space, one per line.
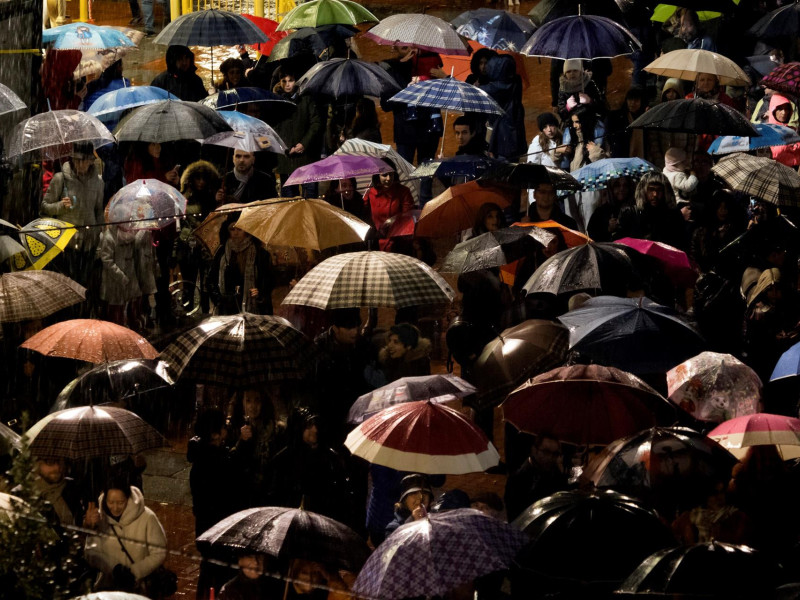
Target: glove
(123, 578)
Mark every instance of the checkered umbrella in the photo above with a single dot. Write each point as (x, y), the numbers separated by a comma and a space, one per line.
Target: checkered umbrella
(241, 351)
(326, 12)
(338, 77)
(425, 32)
(784, 79)
(26, 295)
(9, 101)
(581, 36)
(52, 134)
(289, 533)
(211, 27)
(359, 147)
(449, 94)
(171, 121)
(91, 432)
(373, 279)
(434, 555)
(761, 177)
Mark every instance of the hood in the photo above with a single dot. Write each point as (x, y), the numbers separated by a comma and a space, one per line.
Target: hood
(132, 511)
(775, 101)
(673, 84)
(574, 86)
(641, 189)
(421, 350)
(766, 280)
(501, 68)
(172, 56)
(479, 54)
(197, 167)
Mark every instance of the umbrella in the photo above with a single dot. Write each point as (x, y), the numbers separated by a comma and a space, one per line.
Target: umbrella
(714, 387)
(243, 351)
(517, 353)
(594, 266)
(359, 147)
(781, 22)
(402, 225)
(456, 208)
(249, 134)
(10, 440)
(633, 334)
(425, 32)
(269, 28)
(571, 237)
(170, 121)
(675, 262)
(210, 27)
(232, 99)
(9, 101)
(464, 165)
(326, 12)
(788, 364)
(338, 167)
(92, 431)
(208, 231)
(496, 29)
(688, 64)
(111, 105)
(27, 295)
(434, 388)
(370, 279)
(288, 533)
(311, 41)
(769, 135)
(13, 252)
(84, 36)
(586, 405)
(145, 204)
(449, 94)
(529, 175)
(423, 437)
(302, 223)
(762, 64)
(760, 429)
(784, 79)
(761, 177)
(339, 77)
(45, 238)
(90, 340)
(581, 36)
(586, 541)
(52, 133)
(494, 248)
(596, 176)
(110, 596)
(547, 10)
(695, 116)
(434, 555)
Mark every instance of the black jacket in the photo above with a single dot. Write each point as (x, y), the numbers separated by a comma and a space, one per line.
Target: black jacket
(260, 186)
(227, 301)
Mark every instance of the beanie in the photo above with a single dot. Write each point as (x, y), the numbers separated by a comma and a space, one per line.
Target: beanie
(545, 119)
(573, 64)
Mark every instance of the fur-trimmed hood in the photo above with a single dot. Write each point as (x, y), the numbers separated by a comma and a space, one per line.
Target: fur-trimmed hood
(571, 87)
(204, 167)
(421, 350)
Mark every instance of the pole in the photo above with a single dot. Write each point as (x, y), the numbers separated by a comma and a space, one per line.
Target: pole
(174, 9)
(84, 11)
(258, 8)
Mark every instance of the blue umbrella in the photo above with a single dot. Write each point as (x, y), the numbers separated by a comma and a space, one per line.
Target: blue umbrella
(230, 99)
(455, 166)
(496, 29)
(448, 94)
(249, 134)
(339, 77)
(83, 36)
(769, 135)
(211, 27)
(111, 105)
(788, 364)
(595, 176)
(581, 36)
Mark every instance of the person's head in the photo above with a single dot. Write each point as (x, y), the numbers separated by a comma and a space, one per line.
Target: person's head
(179, 59)
(383, 181)
(307, 576)
(251, 565)
(243, 161)
(303, 427)
(115, 498)
(252, 403)
(706, 84)
(82, 157)
(549, 126)
(232, 70)
(478, 61)
(451, 500)
(287, 79)
(489, 503)
(401, 338)
(366, 116)
(690, 25)
(620, 190)
(582, 121)
(464, 130)
(654, 190)
(672, 90)
(780, 110)
(346, 188)
(546, 451)
(211, 427)
(701, 165)
(51, 470)
(635, 100)
(415, 491)
(488, 218)
(675, 159)
(154, 150)
(545, 195)
(573, 69)
(346, 322)
(229, 231)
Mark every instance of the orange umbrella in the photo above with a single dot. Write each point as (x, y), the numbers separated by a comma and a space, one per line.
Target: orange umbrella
(571, 237)
(456, 208)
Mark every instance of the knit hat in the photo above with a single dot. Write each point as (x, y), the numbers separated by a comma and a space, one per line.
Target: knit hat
(416, 482)
(573, 64)
(406, 333)
(545, 119)
(675, 159)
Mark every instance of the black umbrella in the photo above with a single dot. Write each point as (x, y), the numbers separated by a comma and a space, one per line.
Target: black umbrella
(339, 77)
(170, 121)
(314, 41)
(547, 10)
(695, 116)
(495, 248)
(232, 99)
(529, 175)
(464, 165)
(211, 27)
(781, 22)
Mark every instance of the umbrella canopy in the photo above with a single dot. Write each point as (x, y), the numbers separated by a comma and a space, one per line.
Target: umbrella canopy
(359, 147)
(9, 101)
(496, 29)
(586, 405)
(170, 121)
(597, 175)
(241, 351)
(529, 175)
(10, 440)
(494, 249)
(788, 364)
(434, 555)
(269, 27)
(770, 135)
(456, 208)
(338, 167)
(675, 262)
(548, 10)
(581, 36)
(614, 331)
(434, 388)
(92, 431)
(339, 77)
(249, 134)
(316, 42)
(231, 99)
(84, 36)
(208, 231)
(111, 596)
(423, 437)
(519, 352)
(714, 387)
(14, 252)
(688, 64)
(288, 533)
(51, 134)
(90, 340)
(370, 279)
(26, 295)
(326, 12)
(781, 22)
(302, 223)
(761, 429)
(695, 116)
(425, 32)
(762, 177)
(571, 237)
(45, 238)
(111, 105)
(464, 165)
(784, 79)
(448, 93)
(211, 27)
(145, 204)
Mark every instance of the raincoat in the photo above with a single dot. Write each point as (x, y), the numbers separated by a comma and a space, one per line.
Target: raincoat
(508, 130)
(128, 265)
(787, 155)
(87, 207)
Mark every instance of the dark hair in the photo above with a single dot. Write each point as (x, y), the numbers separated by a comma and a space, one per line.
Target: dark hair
(366, 117)
(636, 92)
(209, 422)
(120, 484)
(588, 120)
(224, 234)
(376, 181)
(284, 71)
(406, 333)
(490, 499)
(465, 120)
(478, 228)
(346, 317)
(230, 63)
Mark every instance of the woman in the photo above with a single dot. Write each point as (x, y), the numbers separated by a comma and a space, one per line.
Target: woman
(616, 217)
(386, 198)
(658, 216)
(584, 138)
(547, 148)
(232, 70)
(406, 354)
(780, 112)
(625, 142)
(145, 161)
(415, 501)
(672, 90)
(489, 218)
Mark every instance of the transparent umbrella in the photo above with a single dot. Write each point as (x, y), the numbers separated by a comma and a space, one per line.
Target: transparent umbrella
(9, 101)
(145, 204)
(51, 134)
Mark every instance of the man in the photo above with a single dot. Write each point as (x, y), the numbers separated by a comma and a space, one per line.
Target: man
(545, 208)
(245, 183)
(180, 77)
(59, 491)
(469, 142)
(538, 477)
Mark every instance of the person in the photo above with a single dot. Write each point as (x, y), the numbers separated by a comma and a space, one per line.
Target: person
(716, 519)
(708, 183)
(345, 195)
(415, 501)
(405, 354)
(545, 207)
(149, 16)
(573, 82)
(469, 142)
(357, 119)
(781, 110)
(180, 78)
(488, 218)
(240, 277)
(251, 582)
(658, 216)
(721, 223)
(315, 581)
(539, 476)
(585, 136)
(148, 160)
(672, 90)
(691, 33)
(624, 142)
(477, 66)
(245, 183)
(547, 148)
(130, 542)
(232, 70)
(615, 218)
(386, 198)
(61, 494)
(677, 171)
(508, 140)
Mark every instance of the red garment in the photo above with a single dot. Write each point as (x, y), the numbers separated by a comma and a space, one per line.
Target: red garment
(383, 204)
(57, 79)
(423, 63)
(135, 169)
(786, 155)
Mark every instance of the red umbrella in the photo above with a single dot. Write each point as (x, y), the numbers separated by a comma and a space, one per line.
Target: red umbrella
(402, 225)
(268, 27)
(423, 437)
(676, 263)
(759, 430)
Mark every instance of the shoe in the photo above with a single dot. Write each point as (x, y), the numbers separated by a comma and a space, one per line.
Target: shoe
(136, 22)
(149, 34)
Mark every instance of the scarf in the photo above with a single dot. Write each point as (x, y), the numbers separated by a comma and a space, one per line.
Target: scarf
(242, 181)
(51, 492)
(243, 254)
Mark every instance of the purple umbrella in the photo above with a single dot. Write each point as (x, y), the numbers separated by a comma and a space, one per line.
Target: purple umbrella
(338, 167)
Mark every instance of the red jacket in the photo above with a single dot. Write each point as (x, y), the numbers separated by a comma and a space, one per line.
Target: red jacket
(383, 204)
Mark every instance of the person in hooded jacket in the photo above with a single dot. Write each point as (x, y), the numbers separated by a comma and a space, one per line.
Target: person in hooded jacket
(180, 78)
(505, 87)
(576, 80)
(780, 112)
(626, 142)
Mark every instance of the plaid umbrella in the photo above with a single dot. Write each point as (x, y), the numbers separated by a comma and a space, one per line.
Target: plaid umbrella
(336, 167)
(90, 432)
(170, 121)
(688, 64)
(695, 116)
(455, 209)
(760, 429)
(326, 12)
(111, 105)
(338, 77)
(581, 36)
(211, 27)
(9, 101)
(45, 238)
(83, 36)
(241, 351)
(784, 79)
(373, 279)
(52, 134)
(770, 134)
(595, 176)
(434, 555)
(425, 32)
(27, 295)
(249, 134)
(289, 533)
(145, 204)
(449, 94)
(761, 177)
(90, 340)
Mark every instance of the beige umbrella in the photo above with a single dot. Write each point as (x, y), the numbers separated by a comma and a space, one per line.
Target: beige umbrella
(208, 231)
(688, 64)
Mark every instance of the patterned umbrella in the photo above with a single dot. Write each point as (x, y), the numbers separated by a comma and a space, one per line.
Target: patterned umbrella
(494, 249)
(52, 134)
(27, 295)
(688, 64)
(90, 340)
(9, 101)
(338, 167)
(13, 252)
(326, 12)
(111, 105)
(784, 21)
(769, 135)
(171, 121)
(695, 116)
(249, 134)
(339, 77)
(83, 36)
(465, 165)
(211, 27)
(449, 94)
(242, 351)
(762, 177)
(455, 209)
(714, 387)
(90, 432)
(289, 533)
(529, 175)
(145, 204)
(761, 429)
(500, 31)
(434, 388)
(581, 36)
(231, 99)
(434, 555)
(784, 79)
(370, 279)
(46, 238)
(596, 176)
(425, 32)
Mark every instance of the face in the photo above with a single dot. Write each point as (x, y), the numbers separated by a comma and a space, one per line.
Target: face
(234, 75)
(154, 149)
(687, 26)
(252, 566)
(722, 212)
(576, 122)
(550, 131)
(51, 471)
(287, 84)
(671, 94)
(116, 502)
(81, 165)
(482, 65)
(701, 165)
(706, 82)
(620, 189)
(199, 182)
(492, 221)
(345, 335)
(655, 194)
(306, 575)
(243, 161)
(346, 188)
(634, 104)
(463, 134)
(251, 404)
(184, 63)
(548, 454)
(237, 235)
(783, 113)
(311, 435)
(545, 195)
(386, 179)
(415, 499)
(573, 75)
(394, 347)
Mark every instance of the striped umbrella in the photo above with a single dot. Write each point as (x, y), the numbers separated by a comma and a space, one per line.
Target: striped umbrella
(27, 295)
(448, 94)
(347, 77)
(326, 12)
(211, 27)
(425, 32)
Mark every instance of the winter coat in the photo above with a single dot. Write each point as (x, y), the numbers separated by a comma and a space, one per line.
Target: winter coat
(584, 86)
(787, 155)
(141, 533)
(380, 205)
(682, 184)
(213, 484)
(128, 265)
(508, 130)
(303, 126)
(87, 207)
(260, 186)
(186, 85)
(415, 362)
(227, 301)
(198, 206)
